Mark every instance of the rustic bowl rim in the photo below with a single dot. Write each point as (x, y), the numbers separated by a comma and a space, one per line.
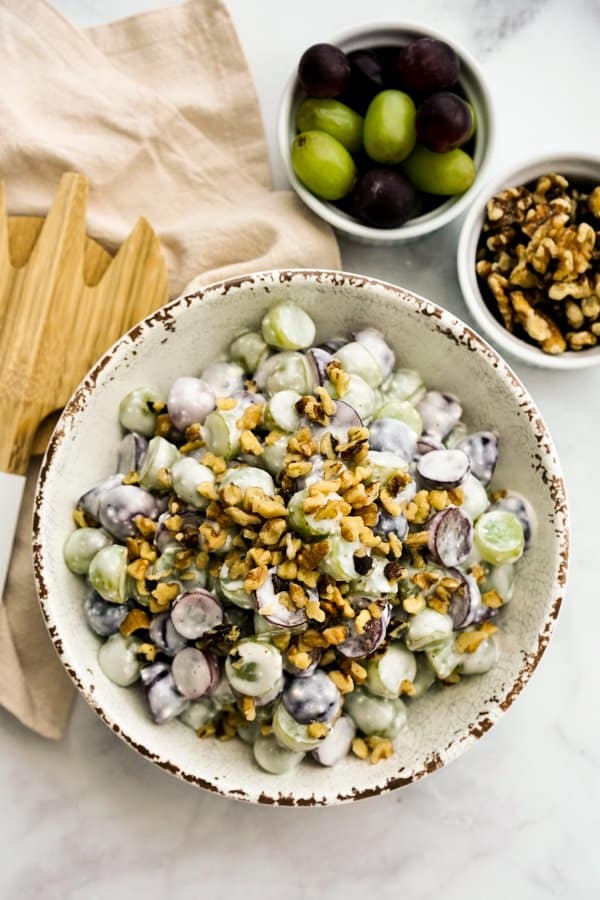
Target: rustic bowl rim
(528, 169)
(436, 218)
(453, 329)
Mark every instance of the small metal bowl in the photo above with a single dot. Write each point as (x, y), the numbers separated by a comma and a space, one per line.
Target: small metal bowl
(571, 166)
(472, 82)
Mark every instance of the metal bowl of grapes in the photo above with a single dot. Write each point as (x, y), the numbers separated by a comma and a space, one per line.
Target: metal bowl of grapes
(386, 131)
(300, 538)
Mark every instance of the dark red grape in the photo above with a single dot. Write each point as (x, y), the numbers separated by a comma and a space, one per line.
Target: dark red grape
(366, 79)
(425, 66)
(439, 412)
(444, 122)
(384, 199)
(450, 536)
(482, 450)
(442, 469)
(324, 71)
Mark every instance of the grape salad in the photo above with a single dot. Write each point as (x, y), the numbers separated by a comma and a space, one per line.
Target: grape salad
(297, 544)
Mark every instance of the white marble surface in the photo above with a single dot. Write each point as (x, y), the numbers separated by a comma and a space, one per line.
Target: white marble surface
(518, 815)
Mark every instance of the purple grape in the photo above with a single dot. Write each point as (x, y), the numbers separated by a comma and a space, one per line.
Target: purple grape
(165, 537)
(384, 198)
(189, 402)
(332, 345)
(119, 507)
(318, 360)
(324, 71)
(344, 418)
(103, 617)
(380, 350)
(387, 524)
(522, 509)
(358, 645)
(482, 451)
(164, 699)
(439, 412)
(366, 78)
(426, 65)
(450, 536)
(270, 605)
(394, 436)
(336, 745)
(426, 444)
(195, 613)
(444, 122)
(131, 451)
(466, 607)
(291, 669)
(90, 501)
(443, 469)
(195, 672)
(312, 699)
(164, 635)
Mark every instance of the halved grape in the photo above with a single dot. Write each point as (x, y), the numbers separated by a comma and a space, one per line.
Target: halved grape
(393, 435)
(221, 433)
(246, 477)
(443, 469)
(103, 617)
(81, 546)
(387, 524)
(194, 672)
(450, 536)
(339, 561)
(118, 509)
(248, 350)
(90, 501)
(118, 660)
(499, 537)
(375, 715)
(443, 657)
(358, 359)
(482, 660)
(271, 605)
(288, 370)
(165, 636)
(292, 669)
(224, 378)
(522, 509)
(274, 758)
(466, 607)
(131, 450)
(475, 498)
(164, 699)
(324, 71)
(337, 744)
(426, 628)
(403, 384)
(287, 327)
(187, 475)
(189, 402)
(253, 667)
(387, 671)
(281, 412)
(384, 465)
(440, 413)
(312, 699)
(404, 412)
(424, 678)
(108, 573)
(356, 644)
(196, 613)
(160, 456)
(482, 450)
(307, 524)
(136, 410)
(292, 734)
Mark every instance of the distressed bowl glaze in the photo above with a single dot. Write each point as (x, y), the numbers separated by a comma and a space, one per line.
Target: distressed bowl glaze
(184, 336)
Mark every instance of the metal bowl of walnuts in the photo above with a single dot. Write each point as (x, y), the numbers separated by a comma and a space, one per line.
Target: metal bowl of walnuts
(529, 262)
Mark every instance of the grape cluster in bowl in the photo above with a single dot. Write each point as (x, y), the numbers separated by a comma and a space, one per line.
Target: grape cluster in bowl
(386, 133)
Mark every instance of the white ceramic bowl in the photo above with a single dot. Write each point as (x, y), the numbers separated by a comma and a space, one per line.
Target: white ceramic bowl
(570, 165)
(184, 336)
(471, 79)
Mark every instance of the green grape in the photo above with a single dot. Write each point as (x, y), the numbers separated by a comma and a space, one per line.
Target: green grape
(323, 165)
(499, 537)
(248, 350)
(386, 672)
(334, 118)
(135, 413)
(81, 546)
(287, 327)
(253, 668)
(375, 715)
(292, 734)
(389, 132)
(404, 411)
(274, 758)
(281, 412)
(447, 173)
(473, 121)
(108, 573)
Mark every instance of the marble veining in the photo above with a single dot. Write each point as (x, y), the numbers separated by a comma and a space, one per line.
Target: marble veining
(518, 814)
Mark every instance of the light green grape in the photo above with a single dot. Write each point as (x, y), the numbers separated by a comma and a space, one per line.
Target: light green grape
(426, 628)
(160, 455)
(108, 573)
(389, 130)
(287, 327)
(499, 537)
(248, 351)
(404, 411)
(221, 433)
(387, 671)
(334, 118)
(447, 173)
(274, 758)
(323, 165)
(187, 474)
(355, 358)
(375, 715)
(81, 546)
(339, 561)
(253, 667)
(135, 413)
(292, 734)
(281, 412)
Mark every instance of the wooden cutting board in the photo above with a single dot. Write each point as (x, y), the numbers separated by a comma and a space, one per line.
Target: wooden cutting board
(63, 301)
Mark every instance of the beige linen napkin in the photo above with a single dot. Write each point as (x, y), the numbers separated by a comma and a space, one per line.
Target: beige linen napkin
(160, 112)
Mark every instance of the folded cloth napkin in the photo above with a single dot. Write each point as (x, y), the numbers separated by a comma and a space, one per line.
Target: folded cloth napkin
(160, 113)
